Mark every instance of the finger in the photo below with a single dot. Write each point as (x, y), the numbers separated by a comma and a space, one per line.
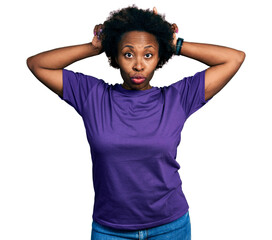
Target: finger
(95, 30)
(99, 31)
(175, 27)
(155, 11)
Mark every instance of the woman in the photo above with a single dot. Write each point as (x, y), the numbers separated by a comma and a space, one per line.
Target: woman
(134, 128)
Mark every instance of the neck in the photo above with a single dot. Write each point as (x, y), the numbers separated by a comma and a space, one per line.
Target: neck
(128, 88)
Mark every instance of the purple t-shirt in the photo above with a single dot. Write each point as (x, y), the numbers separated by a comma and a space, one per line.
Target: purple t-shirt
(133, 137)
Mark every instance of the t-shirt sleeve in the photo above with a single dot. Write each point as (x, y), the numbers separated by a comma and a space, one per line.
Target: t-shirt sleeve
(76, 88)
(192, 92)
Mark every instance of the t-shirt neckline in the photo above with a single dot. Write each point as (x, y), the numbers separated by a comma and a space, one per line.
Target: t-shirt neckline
(133, 92)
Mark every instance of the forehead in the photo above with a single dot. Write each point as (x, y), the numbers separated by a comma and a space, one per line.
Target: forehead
(138, 38)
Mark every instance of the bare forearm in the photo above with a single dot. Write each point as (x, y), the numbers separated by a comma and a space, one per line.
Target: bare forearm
(60, 58)
(210, 54)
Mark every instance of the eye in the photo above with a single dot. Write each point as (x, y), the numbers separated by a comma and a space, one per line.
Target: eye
(148, 55)
(128, 55)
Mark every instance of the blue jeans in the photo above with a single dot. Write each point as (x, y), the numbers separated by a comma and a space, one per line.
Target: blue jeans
(179, 229)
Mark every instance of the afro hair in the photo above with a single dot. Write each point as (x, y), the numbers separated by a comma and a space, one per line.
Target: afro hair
(135, 19)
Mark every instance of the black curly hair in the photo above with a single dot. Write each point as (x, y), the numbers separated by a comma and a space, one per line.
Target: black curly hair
(134, 19)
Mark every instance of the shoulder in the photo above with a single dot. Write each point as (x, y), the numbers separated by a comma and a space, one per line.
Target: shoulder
(83, 80)
(190, 80)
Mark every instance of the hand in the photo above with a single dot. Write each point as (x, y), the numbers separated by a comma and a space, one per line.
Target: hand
(96, 41)
(173, 26)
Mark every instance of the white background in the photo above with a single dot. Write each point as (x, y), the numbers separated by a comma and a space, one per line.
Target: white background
(225, 151)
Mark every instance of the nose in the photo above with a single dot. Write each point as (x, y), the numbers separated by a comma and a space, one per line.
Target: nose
(138, 65)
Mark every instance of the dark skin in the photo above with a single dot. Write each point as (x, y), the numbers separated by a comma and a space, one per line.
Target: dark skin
(223, 62)
(138, 53)
(141, 57)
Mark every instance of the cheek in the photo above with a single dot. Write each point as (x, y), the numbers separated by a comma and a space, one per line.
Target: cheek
(121, 61)
(152, 64)
(125, 66)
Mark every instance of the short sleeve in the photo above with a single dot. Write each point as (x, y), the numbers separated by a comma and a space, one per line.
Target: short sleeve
(192, 92)
(76, 88)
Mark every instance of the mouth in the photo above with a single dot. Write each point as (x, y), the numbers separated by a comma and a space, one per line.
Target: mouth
(138, 79)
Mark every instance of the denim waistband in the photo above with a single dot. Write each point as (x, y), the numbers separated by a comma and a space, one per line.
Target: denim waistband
(144, 233)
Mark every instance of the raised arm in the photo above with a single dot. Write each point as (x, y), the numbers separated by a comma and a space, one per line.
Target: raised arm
(47, 66)
(224, 62)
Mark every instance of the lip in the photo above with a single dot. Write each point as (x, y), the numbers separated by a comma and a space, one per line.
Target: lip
(138, 76)
(138, 79)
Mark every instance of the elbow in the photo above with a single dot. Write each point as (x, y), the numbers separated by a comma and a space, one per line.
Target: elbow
(237, 58)
(32, 63)
(29, 63)
(241, 56)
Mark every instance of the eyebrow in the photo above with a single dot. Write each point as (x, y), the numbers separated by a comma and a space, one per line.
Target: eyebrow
(133, 47)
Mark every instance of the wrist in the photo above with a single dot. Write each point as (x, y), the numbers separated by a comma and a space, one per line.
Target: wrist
(179, 44)
(95, 50)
